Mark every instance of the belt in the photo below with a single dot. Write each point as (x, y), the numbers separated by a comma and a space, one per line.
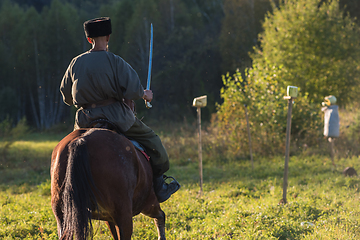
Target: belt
(102, 103)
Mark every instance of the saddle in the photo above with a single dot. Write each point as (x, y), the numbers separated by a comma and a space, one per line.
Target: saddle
(106, 124)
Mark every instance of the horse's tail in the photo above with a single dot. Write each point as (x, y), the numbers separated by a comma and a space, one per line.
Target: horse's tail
(78, 197)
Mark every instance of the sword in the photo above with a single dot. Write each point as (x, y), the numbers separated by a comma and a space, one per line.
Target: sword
(148, 105)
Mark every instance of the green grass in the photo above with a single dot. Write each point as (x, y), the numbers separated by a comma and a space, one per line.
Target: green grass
(237, 202)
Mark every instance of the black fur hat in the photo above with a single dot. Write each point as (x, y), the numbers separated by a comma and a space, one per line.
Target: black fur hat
(97, 27)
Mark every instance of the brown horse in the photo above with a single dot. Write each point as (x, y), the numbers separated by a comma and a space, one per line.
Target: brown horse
(98, 174)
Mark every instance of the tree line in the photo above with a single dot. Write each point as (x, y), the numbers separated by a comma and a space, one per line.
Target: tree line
(195, 43)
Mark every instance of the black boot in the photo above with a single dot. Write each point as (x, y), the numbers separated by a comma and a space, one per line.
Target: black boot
(164, 190)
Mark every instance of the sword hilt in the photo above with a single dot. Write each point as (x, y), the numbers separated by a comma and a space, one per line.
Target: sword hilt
(148, 104)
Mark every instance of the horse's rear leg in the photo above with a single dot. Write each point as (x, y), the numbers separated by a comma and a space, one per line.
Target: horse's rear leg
(113, 230)
(160, 224)
(154, 211)
(122, 228)
(59, 222)
(58, 216)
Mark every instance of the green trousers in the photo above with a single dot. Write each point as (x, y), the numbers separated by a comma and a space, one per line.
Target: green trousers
(159, 159)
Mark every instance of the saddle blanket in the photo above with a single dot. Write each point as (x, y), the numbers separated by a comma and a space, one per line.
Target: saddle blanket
(140, 148)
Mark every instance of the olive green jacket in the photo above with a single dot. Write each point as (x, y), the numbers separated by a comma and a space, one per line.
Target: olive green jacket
(96, 76)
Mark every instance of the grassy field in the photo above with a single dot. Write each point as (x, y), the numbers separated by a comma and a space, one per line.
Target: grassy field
(237, 202)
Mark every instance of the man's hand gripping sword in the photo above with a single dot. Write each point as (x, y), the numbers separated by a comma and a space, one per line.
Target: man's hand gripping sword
(148, 105)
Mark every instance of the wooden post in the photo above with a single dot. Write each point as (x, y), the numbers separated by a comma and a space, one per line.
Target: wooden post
(332, 151)
(287, 151)
(200, 102)
(200, 151)
(248, 129)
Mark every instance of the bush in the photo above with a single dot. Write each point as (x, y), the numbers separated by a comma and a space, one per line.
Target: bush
(262, 94)
(9, 134)
(5, 128)
(7, 131)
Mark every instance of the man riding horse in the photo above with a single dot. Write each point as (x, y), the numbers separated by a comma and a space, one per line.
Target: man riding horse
(98, 82)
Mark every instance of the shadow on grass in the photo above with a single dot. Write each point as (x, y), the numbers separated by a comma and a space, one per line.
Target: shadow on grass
(22, 180)
(301, 171)
(25, 165)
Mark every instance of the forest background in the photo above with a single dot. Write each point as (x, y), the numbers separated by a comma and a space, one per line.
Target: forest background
(237, 52)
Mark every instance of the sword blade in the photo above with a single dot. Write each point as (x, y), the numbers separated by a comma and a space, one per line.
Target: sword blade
(148, 105)
(150, 59)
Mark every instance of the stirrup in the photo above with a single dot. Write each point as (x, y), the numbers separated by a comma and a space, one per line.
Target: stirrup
(167, 177)
(167, 189)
